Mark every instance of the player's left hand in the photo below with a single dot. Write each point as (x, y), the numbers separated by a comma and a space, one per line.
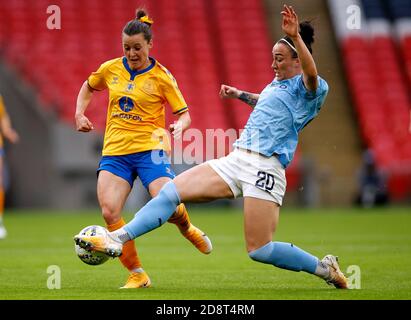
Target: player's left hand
(290, 23)
(176, 129)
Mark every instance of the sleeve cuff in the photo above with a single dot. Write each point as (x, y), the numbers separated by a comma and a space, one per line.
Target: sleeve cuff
(93, 89)
(182, 110)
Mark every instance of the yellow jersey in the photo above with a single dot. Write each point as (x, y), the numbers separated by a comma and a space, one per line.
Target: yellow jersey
(136, 110)
(2, 113)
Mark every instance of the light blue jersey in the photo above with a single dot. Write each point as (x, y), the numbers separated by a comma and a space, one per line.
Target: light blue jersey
(283, 109)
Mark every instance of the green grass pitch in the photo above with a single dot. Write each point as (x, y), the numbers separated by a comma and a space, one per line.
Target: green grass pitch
(378, 241)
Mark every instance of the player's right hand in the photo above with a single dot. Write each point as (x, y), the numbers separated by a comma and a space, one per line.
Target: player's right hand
(83, 124)
(229, 92)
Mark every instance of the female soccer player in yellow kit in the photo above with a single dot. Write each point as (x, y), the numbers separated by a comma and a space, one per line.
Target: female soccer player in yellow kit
(10, 134)
(135, 140)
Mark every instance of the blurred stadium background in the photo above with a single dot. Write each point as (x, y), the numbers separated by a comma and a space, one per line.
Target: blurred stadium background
(365, 57)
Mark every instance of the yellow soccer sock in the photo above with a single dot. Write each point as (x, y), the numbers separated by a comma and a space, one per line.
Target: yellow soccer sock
(129, 257)
(180, 218)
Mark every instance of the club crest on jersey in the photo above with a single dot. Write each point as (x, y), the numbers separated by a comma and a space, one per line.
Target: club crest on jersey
(277, 85)
(130, 87)
(149, 86)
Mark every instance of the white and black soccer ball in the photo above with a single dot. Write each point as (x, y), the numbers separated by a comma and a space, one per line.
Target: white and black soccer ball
(91, 257)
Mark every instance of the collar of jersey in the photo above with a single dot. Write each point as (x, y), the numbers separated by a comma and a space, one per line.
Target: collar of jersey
(285, 80)
(134, 73)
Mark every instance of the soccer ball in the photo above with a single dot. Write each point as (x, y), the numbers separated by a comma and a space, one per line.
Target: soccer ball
(91, 257)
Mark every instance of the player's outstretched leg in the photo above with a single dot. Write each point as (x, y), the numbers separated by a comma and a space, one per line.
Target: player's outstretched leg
(154, 214)
(193, 234)
(101, 243)
(288, 256)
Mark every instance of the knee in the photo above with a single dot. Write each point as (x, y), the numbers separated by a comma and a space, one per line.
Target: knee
(110, 214)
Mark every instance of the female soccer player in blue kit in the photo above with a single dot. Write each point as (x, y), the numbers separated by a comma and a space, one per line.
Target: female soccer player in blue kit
(256, 167)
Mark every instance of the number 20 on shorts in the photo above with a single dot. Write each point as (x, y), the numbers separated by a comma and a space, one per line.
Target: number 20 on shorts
(265, 181)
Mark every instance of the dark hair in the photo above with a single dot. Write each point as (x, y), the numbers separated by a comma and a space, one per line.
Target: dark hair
(307, 34)
(136, 26)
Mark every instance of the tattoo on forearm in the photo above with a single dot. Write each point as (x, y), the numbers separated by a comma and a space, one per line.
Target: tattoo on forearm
(248, 98)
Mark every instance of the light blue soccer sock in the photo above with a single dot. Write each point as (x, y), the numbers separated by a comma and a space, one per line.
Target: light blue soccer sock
(286, 256)
(155, 213)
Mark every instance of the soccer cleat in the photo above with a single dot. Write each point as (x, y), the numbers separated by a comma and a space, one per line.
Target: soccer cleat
(199, 239)
(101, 243)
(336, 277)
(137, 280)
(3, 232)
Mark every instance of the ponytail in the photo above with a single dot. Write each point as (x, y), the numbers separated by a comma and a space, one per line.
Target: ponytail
(141, 24)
